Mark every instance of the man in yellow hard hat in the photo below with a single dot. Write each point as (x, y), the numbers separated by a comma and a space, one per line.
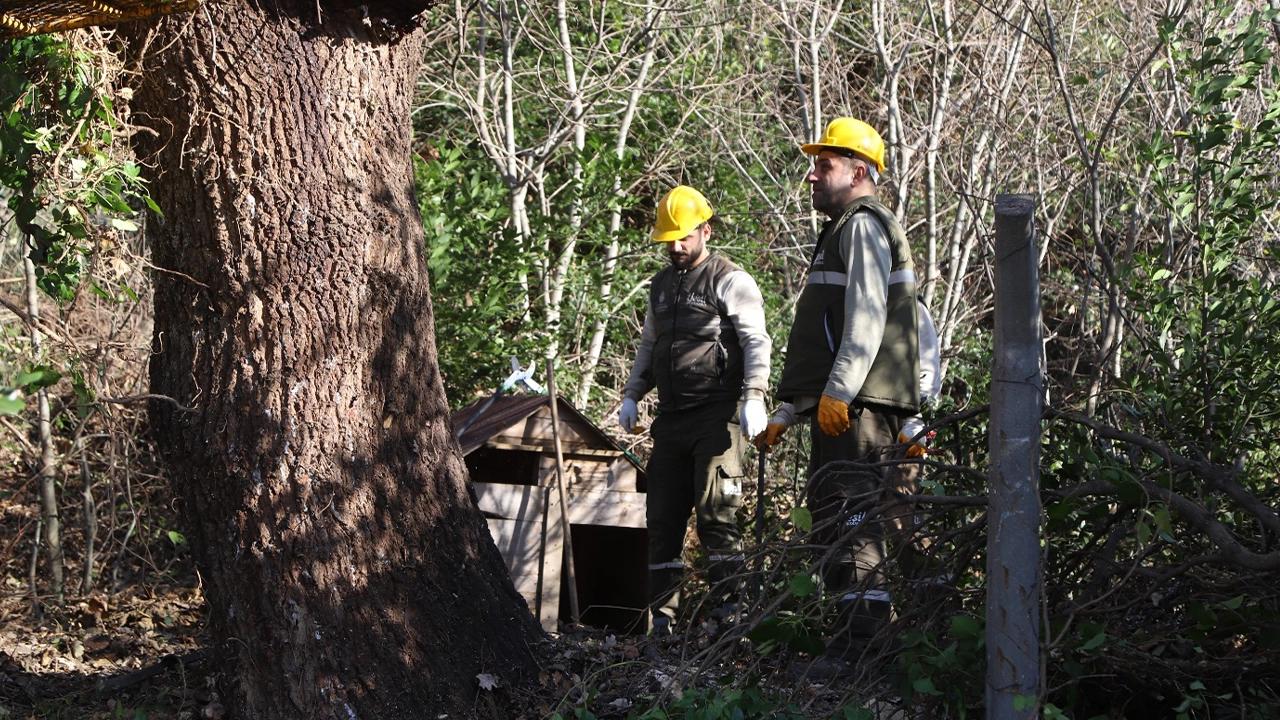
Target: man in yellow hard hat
(705, 348)
(852, 366)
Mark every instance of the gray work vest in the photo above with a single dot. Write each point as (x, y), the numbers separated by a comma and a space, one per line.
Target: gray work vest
(893, 379)
(694, 363)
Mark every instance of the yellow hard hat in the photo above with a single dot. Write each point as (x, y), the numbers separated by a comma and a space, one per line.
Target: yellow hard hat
(680, 212)
(850, 135)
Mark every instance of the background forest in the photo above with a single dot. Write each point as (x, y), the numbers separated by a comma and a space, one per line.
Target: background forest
(545, 132)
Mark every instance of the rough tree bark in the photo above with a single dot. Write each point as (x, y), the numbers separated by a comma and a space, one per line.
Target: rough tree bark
(348, 573)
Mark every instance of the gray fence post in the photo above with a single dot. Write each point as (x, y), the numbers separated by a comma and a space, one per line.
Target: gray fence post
(1013, 515)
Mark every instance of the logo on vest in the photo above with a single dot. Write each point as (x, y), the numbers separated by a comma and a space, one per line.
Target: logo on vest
(697, 298)
(817, 259)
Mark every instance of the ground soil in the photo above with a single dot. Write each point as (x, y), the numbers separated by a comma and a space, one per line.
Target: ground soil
(136, 645)
(142, 652)
(136, 652)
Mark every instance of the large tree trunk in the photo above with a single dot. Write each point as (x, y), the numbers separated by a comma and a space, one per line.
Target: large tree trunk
(348, 573)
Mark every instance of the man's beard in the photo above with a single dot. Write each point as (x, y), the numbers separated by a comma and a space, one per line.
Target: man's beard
(682, 261)
(822, 201)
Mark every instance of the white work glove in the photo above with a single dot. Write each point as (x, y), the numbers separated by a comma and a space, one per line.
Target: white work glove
(911, 428)
(628, 415)
(753, 418)
(783, 418)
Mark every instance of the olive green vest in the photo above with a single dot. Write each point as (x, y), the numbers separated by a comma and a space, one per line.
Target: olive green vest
(893, 379)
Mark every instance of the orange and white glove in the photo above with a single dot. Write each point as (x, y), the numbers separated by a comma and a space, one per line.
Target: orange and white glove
(783, 418)
(910, 429)
(833, 416)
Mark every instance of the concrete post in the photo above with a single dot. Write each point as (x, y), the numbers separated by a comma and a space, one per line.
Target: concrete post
(1013, 517)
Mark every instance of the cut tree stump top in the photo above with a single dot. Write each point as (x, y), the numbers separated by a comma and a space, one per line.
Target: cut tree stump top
(30, 17)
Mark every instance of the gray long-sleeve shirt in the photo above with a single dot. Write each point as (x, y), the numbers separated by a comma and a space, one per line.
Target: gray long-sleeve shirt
(930, 374)
(743, 307)
(866, 304)
(868, 262)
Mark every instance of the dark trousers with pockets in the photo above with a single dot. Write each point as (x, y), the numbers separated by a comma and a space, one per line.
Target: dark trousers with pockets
(696, 466)
(843, 502)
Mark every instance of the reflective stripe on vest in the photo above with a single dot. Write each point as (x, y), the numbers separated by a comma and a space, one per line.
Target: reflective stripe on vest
(727, 558)
(869, 595)
(829, 277)
(816, 333)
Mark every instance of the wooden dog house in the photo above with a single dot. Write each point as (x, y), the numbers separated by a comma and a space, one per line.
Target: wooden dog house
(29, 17)
(510, 452)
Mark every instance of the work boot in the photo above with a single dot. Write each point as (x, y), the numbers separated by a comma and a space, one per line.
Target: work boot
(720, 619)
(727, 611)
(660, 627)
(822, 669)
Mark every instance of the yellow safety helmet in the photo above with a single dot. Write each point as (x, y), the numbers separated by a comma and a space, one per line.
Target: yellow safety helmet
(850, 135)
(680, 212)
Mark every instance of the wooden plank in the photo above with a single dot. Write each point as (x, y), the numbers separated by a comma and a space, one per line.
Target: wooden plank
(586, 507)
(520, 546)
(623, 476)
(518, 542)
(569, 448)
(552, 564)
(579, 473)
(535, 574)
(607, 508)
(573, 432)
(590, 474)
(535, 430)
(512, 502)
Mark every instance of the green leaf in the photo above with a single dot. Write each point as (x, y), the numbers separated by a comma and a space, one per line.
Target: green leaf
(1143, 531)
(1094, 642)
(802, 518)
(1127, 489)
(768, 635)
(807, 642)
(802, 585)
(924, 686)
(11, 402)
(1060, 511)
(1163, 525)
(1053, 712)
(176, 538)
(124, 225)
(40, 376)
(84, 394)
(1206, 619)
(1024, 702)
(965, 626)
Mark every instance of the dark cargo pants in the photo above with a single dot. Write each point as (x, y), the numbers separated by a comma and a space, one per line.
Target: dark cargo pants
(912, 551)
(696, 464)
(843, 503)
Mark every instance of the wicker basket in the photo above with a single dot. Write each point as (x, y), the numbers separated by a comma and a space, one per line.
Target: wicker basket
(30, 17)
